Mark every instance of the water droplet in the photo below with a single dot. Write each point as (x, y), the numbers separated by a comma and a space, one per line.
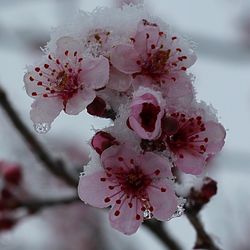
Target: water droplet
(42, 128)
(147, 214)
(179, 211)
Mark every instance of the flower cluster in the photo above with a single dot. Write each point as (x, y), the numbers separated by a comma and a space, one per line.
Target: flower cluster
(133, 69)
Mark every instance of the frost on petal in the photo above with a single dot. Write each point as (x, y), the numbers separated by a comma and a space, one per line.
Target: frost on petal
(190, 163)
(163, 200)
(216, 134)
(124, 57)
(93, 189)
(118, 80)
(45, 109)
(79, 101)
(95, 73)
(126, 217)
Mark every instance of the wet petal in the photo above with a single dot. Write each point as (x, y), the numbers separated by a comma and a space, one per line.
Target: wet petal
(45, 109)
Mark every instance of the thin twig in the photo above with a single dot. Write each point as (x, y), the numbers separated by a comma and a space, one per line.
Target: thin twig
(35, 146)
(37, 205)
(156, 227)
(204, 240)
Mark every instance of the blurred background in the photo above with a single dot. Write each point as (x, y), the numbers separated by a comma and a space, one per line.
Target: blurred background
(221, 33)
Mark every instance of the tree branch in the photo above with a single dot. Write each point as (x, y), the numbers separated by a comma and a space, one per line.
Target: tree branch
(58, 169)
(204, 240)
(37, 205)
(156, 227)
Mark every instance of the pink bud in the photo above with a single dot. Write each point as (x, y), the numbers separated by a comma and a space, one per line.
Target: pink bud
(102, 141)
(97, 107)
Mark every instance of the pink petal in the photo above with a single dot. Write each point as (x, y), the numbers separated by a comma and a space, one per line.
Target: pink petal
(45, 109)
(216, 134)
(93, 190)
(118, 80)
(80, 101)
(180, 92)
(124, 58)
(155, 165)
(163, 200)
(116, 157)
(66, 47)
(31, 85)
(191, 163)
(126, 221)
(141, 80)
(146, 37)
(95, 72)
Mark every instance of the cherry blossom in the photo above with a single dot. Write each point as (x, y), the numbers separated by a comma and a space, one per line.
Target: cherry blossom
(194, 141)
(146, 114)
(153, 53)
(132, 183)
(191, 138)
(65, 81)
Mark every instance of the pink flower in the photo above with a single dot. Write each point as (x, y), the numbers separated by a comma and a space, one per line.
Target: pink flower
(65, 81)
(154, 54)
(146, 114)
(193, 140)
(133, 184)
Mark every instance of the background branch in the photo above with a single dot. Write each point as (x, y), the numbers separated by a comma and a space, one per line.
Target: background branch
(55, 167)
(157, 228)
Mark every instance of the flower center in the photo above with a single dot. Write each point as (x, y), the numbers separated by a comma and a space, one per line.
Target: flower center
(67, 85)
(156, 63)
(148, 116)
